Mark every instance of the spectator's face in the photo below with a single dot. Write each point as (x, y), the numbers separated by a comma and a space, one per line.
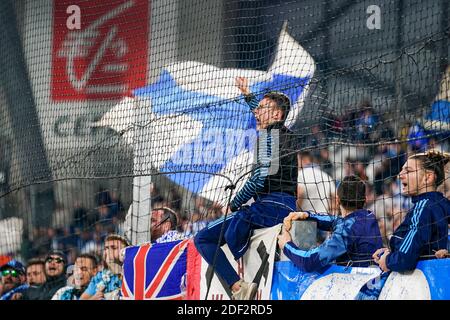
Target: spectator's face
(35, 274)
(414, 178)
(111, 251)
(10, 279)
(103, 211)
(158, 226)
(54, 266)
(266, 113)
(83, 272)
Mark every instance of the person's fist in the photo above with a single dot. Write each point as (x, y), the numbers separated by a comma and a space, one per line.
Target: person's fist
(440, 254)
(17, 296)
(99, 295)
(242, 84)
(376, 256)
(382, 263)
(284, 238)
(287, 222)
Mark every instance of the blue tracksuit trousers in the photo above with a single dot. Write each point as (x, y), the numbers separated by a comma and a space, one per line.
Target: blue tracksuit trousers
(266, 211)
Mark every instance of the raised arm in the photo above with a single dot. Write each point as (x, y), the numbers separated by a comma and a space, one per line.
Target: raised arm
(242, 85)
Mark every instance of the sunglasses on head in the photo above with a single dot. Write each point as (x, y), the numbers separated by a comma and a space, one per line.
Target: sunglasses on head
(57, 260)
(10, 272)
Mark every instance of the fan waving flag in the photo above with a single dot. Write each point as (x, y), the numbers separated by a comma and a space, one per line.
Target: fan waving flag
(154, 271)
(200, 132)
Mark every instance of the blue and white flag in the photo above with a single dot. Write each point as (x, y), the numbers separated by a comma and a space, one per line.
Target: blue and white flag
(199, 130)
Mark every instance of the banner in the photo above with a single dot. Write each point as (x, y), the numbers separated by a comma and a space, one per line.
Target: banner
(255, 266)
(429, 281)
(154, 271)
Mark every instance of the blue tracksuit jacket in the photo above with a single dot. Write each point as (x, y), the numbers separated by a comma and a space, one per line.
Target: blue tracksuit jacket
(355, 237)
(423, 231)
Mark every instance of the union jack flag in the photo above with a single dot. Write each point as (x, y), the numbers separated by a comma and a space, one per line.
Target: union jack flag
(154, 271)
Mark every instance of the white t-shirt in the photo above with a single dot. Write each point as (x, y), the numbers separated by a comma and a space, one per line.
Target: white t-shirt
(317, 188)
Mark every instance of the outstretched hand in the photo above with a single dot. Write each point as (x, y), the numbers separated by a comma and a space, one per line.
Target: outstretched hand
(242, 84)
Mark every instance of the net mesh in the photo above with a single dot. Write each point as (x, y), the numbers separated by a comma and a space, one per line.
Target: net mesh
(111, 109)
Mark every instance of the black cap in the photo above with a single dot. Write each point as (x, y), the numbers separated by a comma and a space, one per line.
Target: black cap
(14, 264)
(57, 253)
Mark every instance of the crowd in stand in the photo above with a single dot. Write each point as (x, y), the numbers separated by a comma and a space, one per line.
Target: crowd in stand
(52, 278)
(82, 260)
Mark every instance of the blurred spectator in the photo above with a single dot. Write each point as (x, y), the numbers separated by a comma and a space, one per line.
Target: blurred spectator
(69, 275)
(155, 193)
(40, 242)
(80, 216)
(324, 160)
(94, 246)
(370, 195)
(365, 123)
(200, 207)
(105, 215)
(315, 188)
(175, 199)
(35, 272)
(85, 268)
(334, 124)
(106, 284)
(61, 215)
(103, 197)
(72, 253)
(215, 212)
(35, 278)
(116, 207)
(55, 265)
(52, 236)
(185, 226)
(13, 280)
(163, 228)
(385, 165)
(356, 168)
(390, 208)
(197, 223)
(417, 139)
(84, 237)
(67, 240)
(317, 137)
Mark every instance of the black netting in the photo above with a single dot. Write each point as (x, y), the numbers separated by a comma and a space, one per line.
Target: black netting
(136, 107)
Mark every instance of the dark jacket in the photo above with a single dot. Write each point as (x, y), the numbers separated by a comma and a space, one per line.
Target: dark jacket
(424, 231)
(32, 293)
(49, 288)
(276, 166)
(355, 237)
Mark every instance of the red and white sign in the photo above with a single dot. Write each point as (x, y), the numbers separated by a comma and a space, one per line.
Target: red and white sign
(107, 57)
